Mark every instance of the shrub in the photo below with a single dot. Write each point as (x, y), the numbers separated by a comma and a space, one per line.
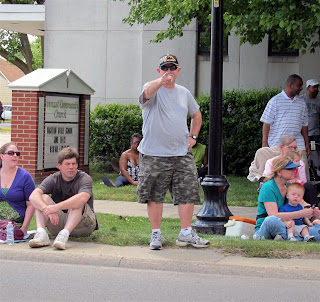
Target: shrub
(242, 129)
(111, 127)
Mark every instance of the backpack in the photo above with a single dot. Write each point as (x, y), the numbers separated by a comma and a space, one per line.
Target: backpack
(18, 234)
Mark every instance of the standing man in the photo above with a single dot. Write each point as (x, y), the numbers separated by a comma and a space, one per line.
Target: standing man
(69, 210)
(313, 105)
(286, 113)
(166, 160)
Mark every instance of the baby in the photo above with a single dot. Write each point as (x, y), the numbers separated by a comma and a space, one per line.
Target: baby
(297, 227)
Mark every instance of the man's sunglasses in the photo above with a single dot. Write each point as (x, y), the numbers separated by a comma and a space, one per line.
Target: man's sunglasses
(135, 142)
(172, 68)
(11, 153)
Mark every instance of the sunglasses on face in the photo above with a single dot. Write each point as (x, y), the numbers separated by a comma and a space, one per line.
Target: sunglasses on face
(11, 153)
(136, 142)
(172, 68)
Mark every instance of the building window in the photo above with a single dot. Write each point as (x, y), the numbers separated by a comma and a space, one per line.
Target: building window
(204, 42)
(281, 48)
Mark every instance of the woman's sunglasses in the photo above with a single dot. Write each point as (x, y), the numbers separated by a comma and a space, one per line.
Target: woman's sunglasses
(11, 153)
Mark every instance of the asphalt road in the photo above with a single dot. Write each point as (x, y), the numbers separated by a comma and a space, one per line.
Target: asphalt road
(34, 281)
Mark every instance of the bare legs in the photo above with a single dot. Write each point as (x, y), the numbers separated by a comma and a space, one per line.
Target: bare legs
(155, 211)
(73, 220)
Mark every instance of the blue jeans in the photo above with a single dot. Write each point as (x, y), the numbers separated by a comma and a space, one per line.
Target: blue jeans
(273, 226)
(121, 181)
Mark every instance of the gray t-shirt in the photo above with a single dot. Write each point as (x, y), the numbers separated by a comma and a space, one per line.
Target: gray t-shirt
(61, 190)
(165, 130)
(313, 106)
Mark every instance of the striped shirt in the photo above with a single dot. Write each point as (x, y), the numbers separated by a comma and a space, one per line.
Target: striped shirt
(285, 116)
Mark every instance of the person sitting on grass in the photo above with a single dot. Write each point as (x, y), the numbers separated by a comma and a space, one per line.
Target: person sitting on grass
(200, 154)
(288, 143)
(16, 186)
(272, 196)
(297, 227)
(129, 165)
(64, 203)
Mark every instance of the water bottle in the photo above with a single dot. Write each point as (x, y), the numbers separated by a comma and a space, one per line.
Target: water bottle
(10, 233)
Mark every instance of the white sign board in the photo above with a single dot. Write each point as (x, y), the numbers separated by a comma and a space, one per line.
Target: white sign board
(63, 109)
(61, 127)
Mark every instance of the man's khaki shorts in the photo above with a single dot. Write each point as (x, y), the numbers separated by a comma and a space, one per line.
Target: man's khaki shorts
(159, 174)
(85, 227)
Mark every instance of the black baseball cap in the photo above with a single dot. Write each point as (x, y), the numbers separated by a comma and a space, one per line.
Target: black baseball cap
(168, 59)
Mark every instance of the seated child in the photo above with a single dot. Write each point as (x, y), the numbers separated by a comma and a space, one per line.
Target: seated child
(296, 227)
(296, 156)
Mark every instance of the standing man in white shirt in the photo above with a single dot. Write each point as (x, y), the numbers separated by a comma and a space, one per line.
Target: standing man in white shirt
(287, 113)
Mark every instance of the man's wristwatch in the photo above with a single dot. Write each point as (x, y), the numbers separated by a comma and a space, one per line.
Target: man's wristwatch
(193, 136)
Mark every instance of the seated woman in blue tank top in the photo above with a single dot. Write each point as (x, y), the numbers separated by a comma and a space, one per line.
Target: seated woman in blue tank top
(16, 187)
(129, 165)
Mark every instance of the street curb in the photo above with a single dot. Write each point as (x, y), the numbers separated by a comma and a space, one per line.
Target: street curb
(159, 260)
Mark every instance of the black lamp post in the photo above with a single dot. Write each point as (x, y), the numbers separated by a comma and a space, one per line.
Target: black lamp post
(215, 212)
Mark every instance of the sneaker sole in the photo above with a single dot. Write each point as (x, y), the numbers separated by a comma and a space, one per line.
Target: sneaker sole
(155, 247)
(36, 244)
(59, 246)
(183, 244)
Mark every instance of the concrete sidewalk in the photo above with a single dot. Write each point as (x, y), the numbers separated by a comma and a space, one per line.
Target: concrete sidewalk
(169, 210)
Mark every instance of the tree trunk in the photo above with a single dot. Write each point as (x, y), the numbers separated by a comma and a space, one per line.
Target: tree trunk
(19, 63)
(26, 51)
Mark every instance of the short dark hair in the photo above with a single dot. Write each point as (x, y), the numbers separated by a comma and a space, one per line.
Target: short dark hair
(292, 79)
(135, 135)
(68, 153)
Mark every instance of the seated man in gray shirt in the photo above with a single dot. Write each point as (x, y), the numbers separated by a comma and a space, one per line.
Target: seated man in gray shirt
(69, 209)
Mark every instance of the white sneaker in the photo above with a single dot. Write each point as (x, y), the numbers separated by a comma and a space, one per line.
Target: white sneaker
(309, 239)
(294, 239)
(40, 239)
(192, 239)
(61, 241)
(278, 237)
(156, 241)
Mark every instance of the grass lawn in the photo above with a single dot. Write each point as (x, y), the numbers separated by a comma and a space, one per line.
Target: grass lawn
(129, 231)
(4, 129)
(241, 192)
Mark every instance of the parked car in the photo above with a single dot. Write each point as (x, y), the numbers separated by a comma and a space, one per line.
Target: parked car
(6, 114)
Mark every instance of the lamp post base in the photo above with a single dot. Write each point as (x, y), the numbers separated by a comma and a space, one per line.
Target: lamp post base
(214, 213)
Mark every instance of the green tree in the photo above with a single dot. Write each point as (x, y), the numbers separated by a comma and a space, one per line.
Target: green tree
(15, 47)
(298, 21)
